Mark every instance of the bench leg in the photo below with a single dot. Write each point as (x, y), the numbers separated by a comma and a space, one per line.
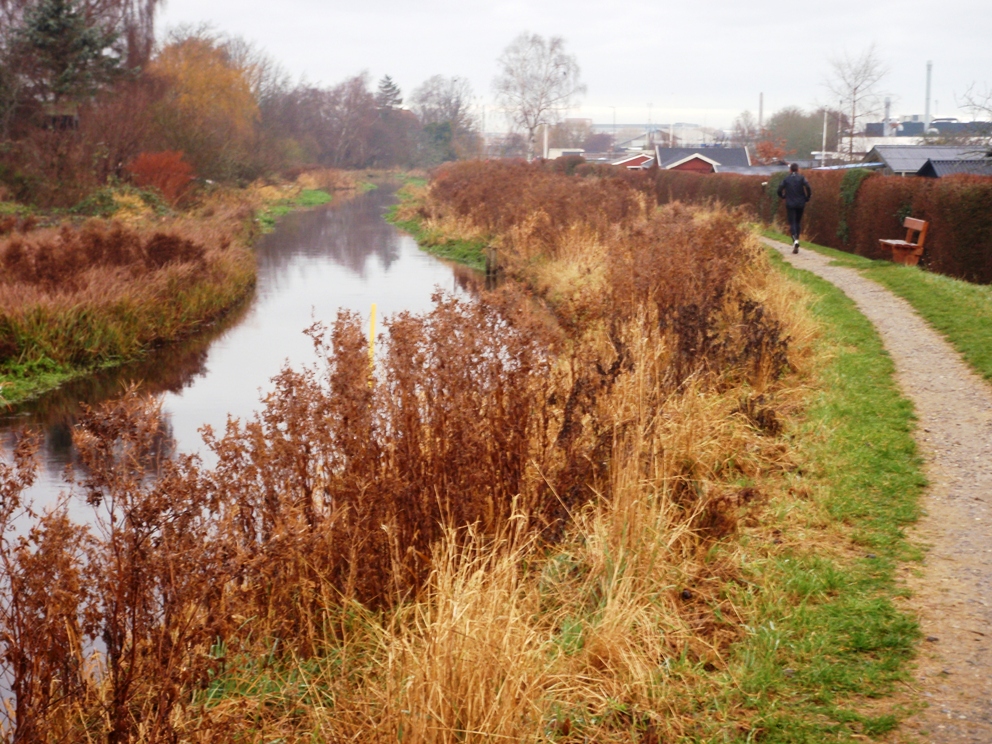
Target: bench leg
(906, 256)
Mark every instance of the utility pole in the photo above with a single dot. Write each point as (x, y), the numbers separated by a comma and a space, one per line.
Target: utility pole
(823, 147)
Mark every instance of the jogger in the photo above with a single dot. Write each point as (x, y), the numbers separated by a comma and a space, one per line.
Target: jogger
(796, 191)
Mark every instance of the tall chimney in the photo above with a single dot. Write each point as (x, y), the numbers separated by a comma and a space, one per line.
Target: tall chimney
(926, 112)
(887, 126)
(761, 111)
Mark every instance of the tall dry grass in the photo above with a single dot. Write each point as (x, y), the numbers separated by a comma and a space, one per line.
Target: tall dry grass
(520, 526)
(80, 297)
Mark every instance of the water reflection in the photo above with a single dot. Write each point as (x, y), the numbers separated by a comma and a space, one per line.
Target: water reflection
(315, 262)
(350, 236)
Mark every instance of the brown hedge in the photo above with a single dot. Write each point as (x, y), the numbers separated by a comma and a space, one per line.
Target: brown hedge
(959, 209)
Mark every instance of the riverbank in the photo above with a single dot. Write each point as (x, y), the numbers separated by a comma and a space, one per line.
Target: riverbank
(569, 509)
(827, 642)
(81, 296)
(447, 241)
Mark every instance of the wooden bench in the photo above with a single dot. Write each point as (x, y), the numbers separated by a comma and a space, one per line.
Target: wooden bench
(907, 251)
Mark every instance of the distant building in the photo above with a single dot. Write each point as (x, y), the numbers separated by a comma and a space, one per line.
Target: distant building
(906, 160)
(701, 159)
(944, 127)
(640, 161)
(940, 168)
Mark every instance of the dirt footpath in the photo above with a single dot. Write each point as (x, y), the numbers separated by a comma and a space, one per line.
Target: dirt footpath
(953, 596)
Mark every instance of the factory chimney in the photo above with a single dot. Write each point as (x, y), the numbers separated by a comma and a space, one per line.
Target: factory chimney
(887, 126)
(926, 111)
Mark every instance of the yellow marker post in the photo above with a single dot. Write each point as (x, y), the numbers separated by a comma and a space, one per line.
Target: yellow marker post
(372, 338)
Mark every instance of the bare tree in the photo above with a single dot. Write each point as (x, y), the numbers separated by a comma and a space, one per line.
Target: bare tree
(570, 133)
(854, 81)
(537, 81)
(978, 102)
(745, 130)
(443, 106)
(440, 99)
(266, 77)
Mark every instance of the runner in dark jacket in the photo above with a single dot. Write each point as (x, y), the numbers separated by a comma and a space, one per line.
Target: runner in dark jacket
(796, 191)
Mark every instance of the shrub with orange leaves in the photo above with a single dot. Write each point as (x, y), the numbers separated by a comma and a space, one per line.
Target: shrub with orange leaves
(166, 171)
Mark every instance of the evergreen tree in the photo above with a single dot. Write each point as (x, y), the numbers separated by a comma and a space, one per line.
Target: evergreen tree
(389, 96)
(65, 55)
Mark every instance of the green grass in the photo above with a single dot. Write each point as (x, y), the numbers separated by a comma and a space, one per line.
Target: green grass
(306, 199)
(13, 208)
(471, 253)
(961, 311)
(20, 381)
(828, 635)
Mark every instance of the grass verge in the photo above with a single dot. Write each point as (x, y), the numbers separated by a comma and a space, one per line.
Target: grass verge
(828, 638)
(470, 252)
(306, 199)
(961, 311)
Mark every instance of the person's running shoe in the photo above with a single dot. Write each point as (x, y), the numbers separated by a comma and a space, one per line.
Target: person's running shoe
(795, 246)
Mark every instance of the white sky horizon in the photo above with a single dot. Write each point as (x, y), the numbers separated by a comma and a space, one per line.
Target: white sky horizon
(648, 61)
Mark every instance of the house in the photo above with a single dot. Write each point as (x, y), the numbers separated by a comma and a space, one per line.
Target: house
(940, 168)
(906, 160)
(639, 161)
(701, 159)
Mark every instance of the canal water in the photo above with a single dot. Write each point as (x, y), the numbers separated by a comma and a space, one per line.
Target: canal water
(314, 263)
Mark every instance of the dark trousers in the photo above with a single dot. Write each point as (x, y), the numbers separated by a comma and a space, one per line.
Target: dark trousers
(795, 217)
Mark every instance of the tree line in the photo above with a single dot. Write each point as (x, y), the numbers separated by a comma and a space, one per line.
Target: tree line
(85, 89)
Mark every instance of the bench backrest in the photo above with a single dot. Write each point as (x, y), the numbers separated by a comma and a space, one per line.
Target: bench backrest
(914, 225)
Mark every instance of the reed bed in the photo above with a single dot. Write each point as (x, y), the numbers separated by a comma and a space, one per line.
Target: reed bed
(75, 299)
(519, 525)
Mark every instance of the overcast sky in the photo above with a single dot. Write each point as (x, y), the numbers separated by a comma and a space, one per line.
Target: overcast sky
(700, 62)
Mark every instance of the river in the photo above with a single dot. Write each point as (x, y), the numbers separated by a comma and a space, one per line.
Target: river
(344, 256)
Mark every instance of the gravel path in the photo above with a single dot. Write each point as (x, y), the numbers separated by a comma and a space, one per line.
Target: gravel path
(953, 595)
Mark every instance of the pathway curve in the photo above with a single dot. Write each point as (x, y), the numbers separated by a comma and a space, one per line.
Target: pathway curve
(953, 596)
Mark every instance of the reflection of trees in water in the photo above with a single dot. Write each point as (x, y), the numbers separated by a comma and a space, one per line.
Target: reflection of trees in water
(167, 369)
(348, 234)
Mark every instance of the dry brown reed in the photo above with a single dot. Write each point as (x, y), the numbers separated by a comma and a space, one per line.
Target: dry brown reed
(105, 291)
(518, 526)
